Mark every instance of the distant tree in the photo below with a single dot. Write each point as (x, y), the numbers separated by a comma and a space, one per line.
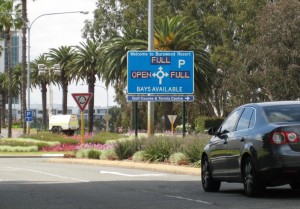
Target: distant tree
(177, 33)
(274, 59)
(86, 66)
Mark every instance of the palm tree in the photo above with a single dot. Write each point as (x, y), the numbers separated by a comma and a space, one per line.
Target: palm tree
(41, 81)
(63, 56)
(180, 34)
(86, 67)
(23, 80)
(3, 93)
(8, 21)
(177, 33)
(114, 54)
(17, 81)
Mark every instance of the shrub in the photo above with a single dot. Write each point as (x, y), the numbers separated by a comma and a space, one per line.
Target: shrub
(24, 142)
(160, 149)
(203, 123)
(95, 146)
(18, 149)
(48, 136)
(179, 128)
(126, 148)
(102, 137)
(94, 154)
(139, 156)
(179, 158)
(82, 153)
(108, 155)
(193, 147)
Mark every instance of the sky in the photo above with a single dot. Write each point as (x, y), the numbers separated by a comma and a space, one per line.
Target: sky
(53, 31)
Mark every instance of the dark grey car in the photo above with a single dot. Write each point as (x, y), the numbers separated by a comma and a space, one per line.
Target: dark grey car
(257, 145)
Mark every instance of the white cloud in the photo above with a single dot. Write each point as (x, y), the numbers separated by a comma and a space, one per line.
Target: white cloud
(53, 31)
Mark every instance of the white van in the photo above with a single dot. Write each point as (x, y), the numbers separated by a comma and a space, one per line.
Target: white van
(66, 124)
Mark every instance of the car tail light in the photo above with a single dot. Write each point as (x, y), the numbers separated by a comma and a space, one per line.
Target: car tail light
(283, 137)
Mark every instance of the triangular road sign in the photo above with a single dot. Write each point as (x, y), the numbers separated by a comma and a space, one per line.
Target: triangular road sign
(172, 118)
(82, 99)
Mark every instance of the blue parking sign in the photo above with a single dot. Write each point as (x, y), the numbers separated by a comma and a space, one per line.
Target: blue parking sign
(28, 115)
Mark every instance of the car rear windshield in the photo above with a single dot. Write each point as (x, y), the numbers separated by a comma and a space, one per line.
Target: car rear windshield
(283, 113)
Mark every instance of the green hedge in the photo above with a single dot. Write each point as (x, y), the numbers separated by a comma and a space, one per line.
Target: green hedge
(203, 123)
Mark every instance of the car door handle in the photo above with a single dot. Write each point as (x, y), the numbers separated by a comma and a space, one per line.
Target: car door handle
(243, 139)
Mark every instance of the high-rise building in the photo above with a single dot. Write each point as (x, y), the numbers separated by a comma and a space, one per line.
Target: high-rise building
(16, 53)
(16, 50)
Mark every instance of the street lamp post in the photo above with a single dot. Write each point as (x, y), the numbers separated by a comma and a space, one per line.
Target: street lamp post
(28, 26)
(42, 71)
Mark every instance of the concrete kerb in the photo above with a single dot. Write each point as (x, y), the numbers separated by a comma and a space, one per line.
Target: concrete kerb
(128, 164)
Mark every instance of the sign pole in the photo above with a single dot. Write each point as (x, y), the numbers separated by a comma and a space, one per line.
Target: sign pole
(183, 119)
(82, 128)
(150, 118)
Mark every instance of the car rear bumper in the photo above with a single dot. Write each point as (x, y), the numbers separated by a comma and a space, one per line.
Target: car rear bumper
(281, 169)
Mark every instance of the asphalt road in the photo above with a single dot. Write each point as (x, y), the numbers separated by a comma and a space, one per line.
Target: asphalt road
(39, 184)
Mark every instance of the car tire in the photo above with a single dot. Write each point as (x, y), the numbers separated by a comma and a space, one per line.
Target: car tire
(295, 185)
(208, 183)
(253, 187)
(56, 130)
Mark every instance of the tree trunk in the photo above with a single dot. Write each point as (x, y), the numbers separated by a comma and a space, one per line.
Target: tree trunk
(3, 109)
(65, 84)
(9, 85)
(44, 106)
(24, 81)
(91, 84)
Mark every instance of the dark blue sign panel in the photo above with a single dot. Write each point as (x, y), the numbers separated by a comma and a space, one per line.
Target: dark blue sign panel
(162, 98)
(160, 72)
(28, 115)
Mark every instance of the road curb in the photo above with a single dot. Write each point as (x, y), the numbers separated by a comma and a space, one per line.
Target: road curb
(33, 156)
(128, 164)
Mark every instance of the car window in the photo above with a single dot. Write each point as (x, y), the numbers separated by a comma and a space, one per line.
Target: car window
(245, 119)
(252, 120)
(230, 123)
(283, 113)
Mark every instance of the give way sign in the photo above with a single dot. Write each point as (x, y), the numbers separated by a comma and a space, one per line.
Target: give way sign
(82, 99)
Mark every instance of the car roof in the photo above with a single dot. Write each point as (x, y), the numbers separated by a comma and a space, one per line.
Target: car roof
(274, 103)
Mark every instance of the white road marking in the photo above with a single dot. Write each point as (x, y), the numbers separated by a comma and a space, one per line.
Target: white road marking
(188, 199)
(49, 174)
(131, 175)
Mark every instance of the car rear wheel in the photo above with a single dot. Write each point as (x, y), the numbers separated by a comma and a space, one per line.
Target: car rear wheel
(252, 185)
(208, 183)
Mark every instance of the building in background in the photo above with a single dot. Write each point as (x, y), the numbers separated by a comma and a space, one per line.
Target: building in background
(16, 50)
(16, 53)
